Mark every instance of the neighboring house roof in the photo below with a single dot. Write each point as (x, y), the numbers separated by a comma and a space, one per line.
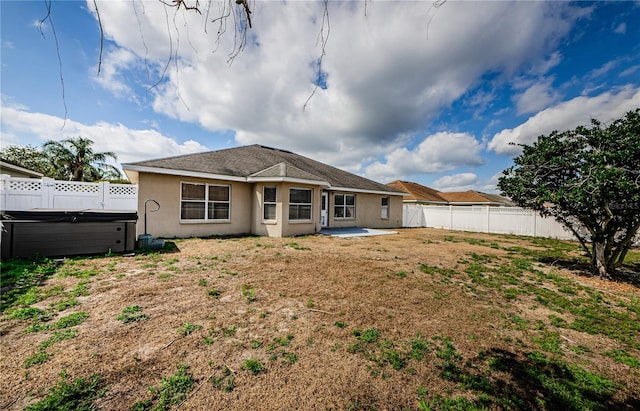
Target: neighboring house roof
(423, 194)
(418, 192)
(260, 163)
(467, 197)
(500, 199)
(8, 167)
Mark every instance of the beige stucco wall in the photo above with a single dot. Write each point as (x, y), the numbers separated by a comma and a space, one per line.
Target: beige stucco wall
(259, 226)
(246, 209)
(281, 226)
(368, 212)
(293, 228)
(165, 189)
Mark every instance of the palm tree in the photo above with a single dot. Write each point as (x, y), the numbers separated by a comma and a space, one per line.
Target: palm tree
(74, 159)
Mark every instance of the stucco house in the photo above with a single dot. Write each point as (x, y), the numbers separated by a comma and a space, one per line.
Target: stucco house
(258, 190)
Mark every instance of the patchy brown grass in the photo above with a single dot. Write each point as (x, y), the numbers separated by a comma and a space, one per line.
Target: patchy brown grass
(298, 304)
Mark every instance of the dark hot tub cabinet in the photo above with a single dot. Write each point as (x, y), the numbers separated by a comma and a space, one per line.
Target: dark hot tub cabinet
(57, 233)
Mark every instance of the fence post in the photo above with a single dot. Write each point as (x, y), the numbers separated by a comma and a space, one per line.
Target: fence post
(405, 212)
(450, 217)
(535, 225)
(4, 188)
(48, 191)
(104, 197)
(488, 220)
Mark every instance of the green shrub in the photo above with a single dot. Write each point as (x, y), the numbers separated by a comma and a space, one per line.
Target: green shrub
(71, 320)
(132, 314)
(173, 390)
(78, 395)
(253, 365)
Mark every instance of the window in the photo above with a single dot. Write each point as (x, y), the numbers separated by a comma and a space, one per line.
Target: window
(269, 203)
(384, 210)
(300, 204)
(204, 202)
(218, 203)
(344, 206)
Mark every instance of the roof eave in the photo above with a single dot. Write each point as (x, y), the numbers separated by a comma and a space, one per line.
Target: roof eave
(360, 190)
(18, 168)
(472, 203)
(426, 201)
(251, 179)
(182, 173)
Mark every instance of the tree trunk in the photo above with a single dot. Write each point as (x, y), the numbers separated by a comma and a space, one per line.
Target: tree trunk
(599, 261)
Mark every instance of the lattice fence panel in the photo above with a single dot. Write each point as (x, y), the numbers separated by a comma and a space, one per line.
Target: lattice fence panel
(123, 190)
(64, 187)
(25, 185)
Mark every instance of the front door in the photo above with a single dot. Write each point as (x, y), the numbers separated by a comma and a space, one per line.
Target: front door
(324, 210)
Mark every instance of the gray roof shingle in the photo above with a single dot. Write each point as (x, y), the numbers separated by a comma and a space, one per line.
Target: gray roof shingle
(256, 159)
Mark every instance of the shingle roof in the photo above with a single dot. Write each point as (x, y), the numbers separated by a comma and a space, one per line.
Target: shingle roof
(418, 192)
(465, 197)
(286, 170)
(255, 159)
(499, 199)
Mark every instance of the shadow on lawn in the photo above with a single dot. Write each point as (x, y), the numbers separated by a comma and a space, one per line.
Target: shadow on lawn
(629, 273)
(20, 276)
(535, 382)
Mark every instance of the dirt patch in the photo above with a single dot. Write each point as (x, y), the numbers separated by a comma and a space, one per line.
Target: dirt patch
(275, 299)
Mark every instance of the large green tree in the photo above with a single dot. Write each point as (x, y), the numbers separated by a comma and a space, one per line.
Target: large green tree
(28, 157)
(589, 180)
(75, 160)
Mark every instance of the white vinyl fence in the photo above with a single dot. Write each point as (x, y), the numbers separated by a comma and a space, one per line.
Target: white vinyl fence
(19, 194)
(484, 219)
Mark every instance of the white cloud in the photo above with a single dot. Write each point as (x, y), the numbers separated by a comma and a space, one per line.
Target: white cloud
(604, 69)
(456, 182)
(130, 145)
(436, 153)
(629, 71)
(567, 115)
(621, 28)
(114, 62)
(547, 64)
(537, 97)
(490, 185)
(388, 74)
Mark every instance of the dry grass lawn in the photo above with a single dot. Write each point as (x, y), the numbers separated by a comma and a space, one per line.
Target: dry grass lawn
(424, 319)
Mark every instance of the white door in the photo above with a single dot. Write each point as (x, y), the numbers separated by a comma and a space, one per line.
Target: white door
(324, 210)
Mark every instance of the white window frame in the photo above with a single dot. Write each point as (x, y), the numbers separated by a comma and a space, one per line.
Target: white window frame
(384, 208)
(266, 203)
(344, 207)
(207, 203)
(297, 220)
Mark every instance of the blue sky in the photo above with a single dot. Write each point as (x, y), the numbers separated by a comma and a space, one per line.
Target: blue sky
(409, 90)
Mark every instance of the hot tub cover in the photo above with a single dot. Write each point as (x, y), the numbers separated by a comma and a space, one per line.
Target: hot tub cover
(68, 216)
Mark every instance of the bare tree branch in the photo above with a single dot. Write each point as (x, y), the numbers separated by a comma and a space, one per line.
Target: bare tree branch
(166, 66)
(322, 40)
(144, 42)
(178, 3)
(95, 6)
(55, 38)
(436, 5)
(246, 10)
(175, 60)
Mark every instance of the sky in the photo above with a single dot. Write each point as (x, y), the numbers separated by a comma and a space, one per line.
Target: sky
(437, 93)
